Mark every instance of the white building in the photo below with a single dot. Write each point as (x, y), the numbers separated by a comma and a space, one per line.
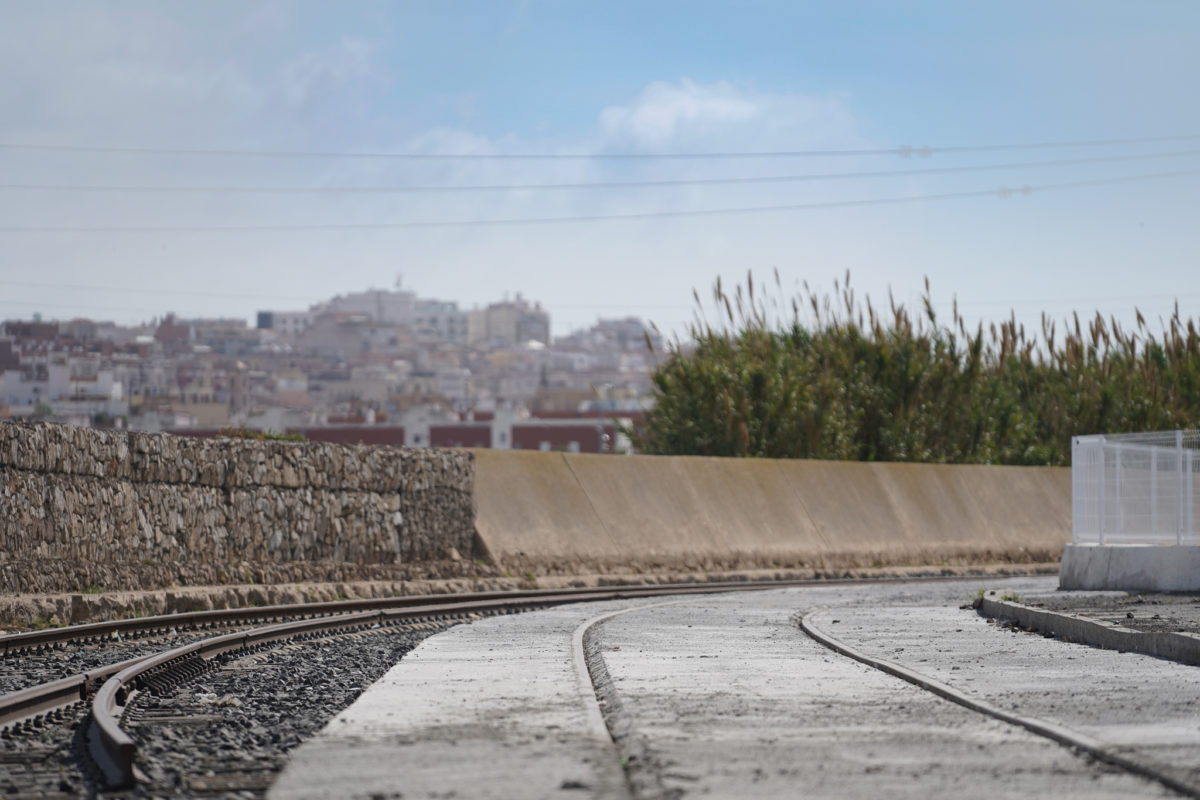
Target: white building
(443, 318)
(74, 388)
(509, 323)
(381, 305)
(286, 323)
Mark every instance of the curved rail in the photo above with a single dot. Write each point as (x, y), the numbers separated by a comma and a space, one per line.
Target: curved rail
(34, 701)
(15, 642)
(111, 745)
(1040, 727)
(114, 751)
(28, 703)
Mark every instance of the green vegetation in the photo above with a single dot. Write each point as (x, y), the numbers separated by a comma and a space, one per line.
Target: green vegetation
(815, 377)
(247, 433)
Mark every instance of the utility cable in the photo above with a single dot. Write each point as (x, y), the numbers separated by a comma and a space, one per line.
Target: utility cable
(1002, 192)
(507, 187)
(243, 296)
(903, 151)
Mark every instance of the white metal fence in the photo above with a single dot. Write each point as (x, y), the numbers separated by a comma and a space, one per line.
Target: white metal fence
(1136, 488)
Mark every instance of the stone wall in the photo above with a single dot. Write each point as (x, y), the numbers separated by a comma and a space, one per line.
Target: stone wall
(83, 508)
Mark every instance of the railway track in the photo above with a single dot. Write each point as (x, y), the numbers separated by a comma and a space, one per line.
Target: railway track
(132, 663)
(200, 704)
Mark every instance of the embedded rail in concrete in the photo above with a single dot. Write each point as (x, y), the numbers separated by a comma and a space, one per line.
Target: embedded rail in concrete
(725, 697)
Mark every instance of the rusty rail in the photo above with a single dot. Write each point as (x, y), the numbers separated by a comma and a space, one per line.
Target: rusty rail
(115, 752)
(15, 642)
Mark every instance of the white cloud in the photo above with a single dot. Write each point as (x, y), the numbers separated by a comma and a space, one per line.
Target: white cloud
(587, 269)
(698, 114)
(665, 111)
(328, 69)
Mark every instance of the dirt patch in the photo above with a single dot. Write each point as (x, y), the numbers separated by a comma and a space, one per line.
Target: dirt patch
(1146, 612)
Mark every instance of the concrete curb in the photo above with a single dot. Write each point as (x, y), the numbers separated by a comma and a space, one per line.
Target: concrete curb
(1051, 730)
(1181, 647)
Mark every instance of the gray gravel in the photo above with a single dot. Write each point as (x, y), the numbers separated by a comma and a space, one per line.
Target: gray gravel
(24, 669)
(225, 734)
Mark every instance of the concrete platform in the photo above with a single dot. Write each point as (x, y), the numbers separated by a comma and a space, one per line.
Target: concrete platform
(493, 709)
(723, 696)
(1141, 568)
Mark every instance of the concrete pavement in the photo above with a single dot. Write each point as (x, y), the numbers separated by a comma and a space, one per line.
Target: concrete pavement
(723, 696)
(1140, 706)
(494, 709)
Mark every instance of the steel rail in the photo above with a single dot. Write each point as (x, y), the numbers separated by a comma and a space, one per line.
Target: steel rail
(25, 704)
(15, 642)
(27, 640)
(29, 703)
(114, 751)
(113, 682)
(1055, 732)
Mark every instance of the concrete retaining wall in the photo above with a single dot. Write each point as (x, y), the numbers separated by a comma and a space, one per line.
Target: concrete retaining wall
(556, 512)
(86, 508)
(82, 508)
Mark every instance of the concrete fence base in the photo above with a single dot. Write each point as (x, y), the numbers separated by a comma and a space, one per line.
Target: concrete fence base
(1139, 568)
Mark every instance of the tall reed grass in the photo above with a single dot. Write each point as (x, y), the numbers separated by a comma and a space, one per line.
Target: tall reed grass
(828, 376)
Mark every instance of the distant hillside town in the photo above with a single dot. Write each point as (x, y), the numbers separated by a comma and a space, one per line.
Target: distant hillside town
(382, 366)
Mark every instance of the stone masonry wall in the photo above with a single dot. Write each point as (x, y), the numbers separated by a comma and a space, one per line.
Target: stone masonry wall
(84, 508)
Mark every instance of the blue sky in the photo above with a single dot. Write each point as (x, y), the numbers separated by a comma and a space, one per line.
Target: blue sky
(614, 77)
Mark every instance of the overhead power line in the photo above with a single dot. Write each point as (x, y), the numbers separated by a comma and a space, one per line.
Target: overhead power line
(902, 150)
(1002, 192)
(38, 306)
(511, 187)
(243, 296)
(143, 290)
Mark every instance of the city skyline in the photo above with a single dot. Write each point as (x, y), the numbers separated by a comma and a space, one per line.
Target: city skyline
(318, 306)
(223, 158)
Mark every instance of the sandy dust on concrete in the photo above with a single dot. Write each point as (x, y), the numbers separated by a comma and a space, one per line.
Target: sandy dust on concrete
(1145, 707)
(729, 699)
(494, 709)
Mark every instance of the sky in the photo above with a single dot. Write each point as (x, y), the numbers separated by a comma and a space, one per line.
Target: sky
(218, 158)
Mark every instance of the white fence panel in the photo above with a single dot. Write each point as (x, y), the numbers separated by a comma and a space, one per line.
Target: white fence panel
(1138, 488)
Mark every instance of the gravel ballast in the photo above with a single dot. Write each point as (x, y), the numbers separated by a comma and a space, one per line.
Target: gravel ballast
(224, 734)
